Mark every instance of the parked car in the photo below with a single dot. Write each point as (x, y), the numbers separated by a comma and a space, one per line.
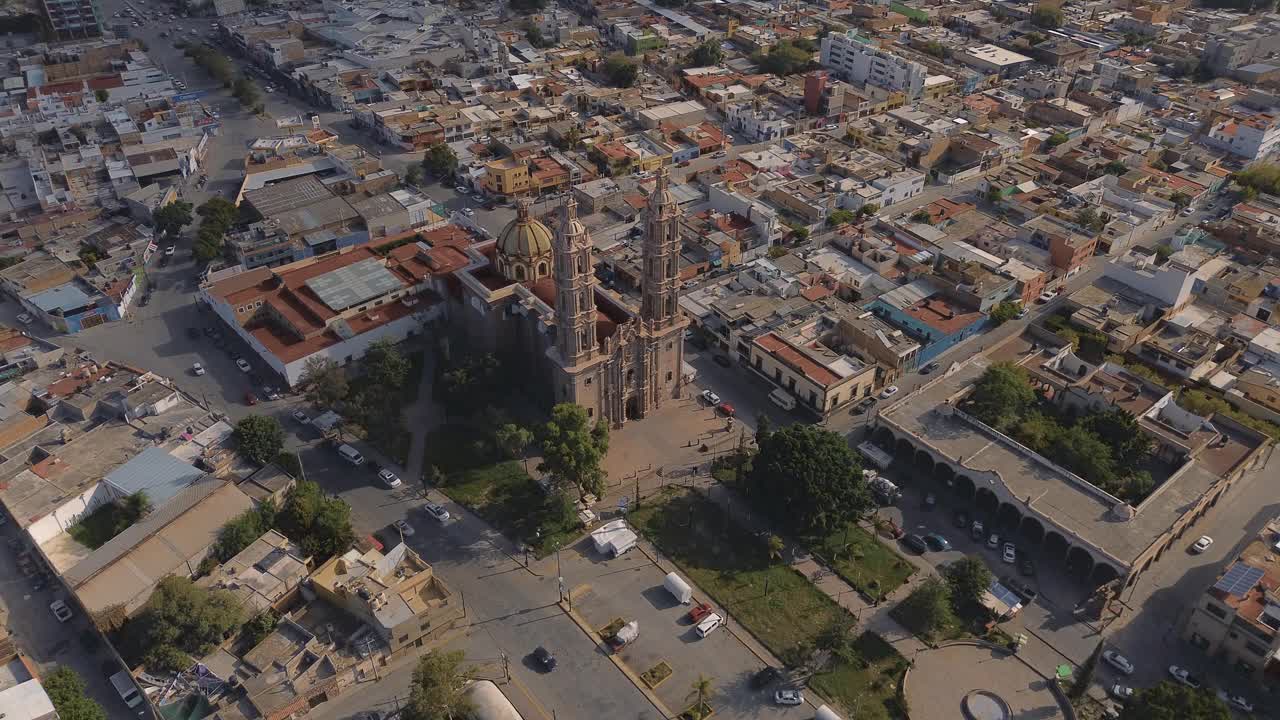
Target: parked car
(708, 625)
(726, 409)
(915, 542)
(993, 541)
(928, 368)
(1120, 692)
(405, 528)
(710, 398)
(977, 531)
(1118, 661)
(1236, 701)
(930, 500)
(765, 677)
(436, 511)
(1045, 297)
(889, 391)
(170, 250)
(197, 368)
(468, 212)
(389, 478)
(937, 542)
(1202, 544)
(25, 319)
(545, 659)
(1009, 553)
(1185, 677)
(700, 611)
(460, 190)
(1025, 565)
(960, 519)
(788, 697)
(60, 610)
(1024, 591)
(301, 417)
(243, 365)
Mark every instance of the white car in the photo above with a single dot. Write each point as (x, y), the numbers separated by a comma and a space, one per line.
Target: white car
(710, 398)
(460, 190)
(889, 392)
(788, 697)
(436, 511)
(468, 212)
(1202, 544)
(25, 319)
(60, 610)
(1009, 553)
(197, 368)
(993, 542)
(1123, 693)
(389, 478)
(405, 528)
(1184, 676)
(1045, 297)
(301, 417)
(1118, 661)
(1236, 701)
(244, 366)
(170, 250)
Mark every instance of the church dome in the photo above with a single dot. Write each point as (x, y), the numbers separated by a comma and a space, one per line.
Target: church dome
(525, 237)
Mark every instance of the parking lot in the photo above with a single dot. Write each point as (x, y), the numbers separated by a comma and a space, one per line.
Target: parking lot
(631, 588)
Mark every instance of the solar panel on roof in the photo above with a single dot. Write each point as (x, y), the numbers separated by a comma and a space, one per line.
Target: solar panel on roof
(1239, 579)
(351, 285)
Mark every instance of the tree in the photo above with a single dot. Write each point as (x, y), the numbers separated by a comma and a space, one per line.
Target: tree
(513, 439)
(868, 209)
(1249, 194)
(1163, 253)
(1047, 16)
(246, 91)
(1180, 199)
(260, 438)
(1037, 432)
(173, 217)
(101, 95)
(320, 524)
(440, 160)
(621, 71)
(218, 209)
(1002, 395)
(707, 53)
(800, 233)
(535, 38)
(808, 479)
(927, 610)
(241, 530)
(1174, 701)
(180, 620)
(325, 382)
(786, 58)
(1057, 139)
(1084, 676)
(993, 195)
(257, 628)
(1085, 454)
(967, 579)
(1261, 177)
(526, 6)
(1090, 219)
(385, 366)
(775, 546)
(840, 217)
(921, 216)
(573, 448)
(700, 691)
(66, 690)
(763, 426)
(413, 174)
(1115, 167)
(1004, 312)
(436, 691)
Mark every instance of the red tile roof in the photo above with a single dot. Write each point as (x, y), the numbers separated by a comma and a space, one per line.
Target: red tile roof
(796, 360)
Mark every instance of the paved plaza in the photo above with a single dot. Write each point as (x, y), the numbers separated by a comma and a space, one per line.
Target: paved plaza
(941, 678)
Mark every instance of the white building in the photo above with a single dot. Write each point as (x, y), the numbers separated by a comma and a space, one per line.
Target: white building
(759, 125)
(899, 186)
(1253, 138)
(855, 60)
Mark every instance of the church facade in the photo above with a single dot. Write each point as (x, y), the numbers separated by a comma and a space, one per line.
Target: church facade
(533, 292)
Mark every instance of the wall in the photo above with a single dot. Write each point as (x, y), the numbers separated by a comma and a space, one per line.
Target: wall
(801, 387)
(354, 349)
(57, 522)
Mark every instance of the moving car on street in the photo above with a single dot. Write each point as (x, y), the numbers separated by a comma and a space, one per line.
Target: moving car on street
(389, 478)
(436, 511)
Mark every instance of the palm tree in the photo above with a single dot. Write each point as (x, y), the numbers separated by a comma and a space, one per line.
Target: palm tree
(702, 690)
(775, 547)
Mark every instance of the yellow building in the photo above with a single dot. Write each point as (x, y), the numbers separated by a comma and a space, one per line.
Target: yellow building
(506, 176)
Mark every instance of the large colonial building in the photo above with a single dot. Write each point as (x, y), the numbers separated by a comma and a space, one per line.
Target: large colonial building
(536, 287)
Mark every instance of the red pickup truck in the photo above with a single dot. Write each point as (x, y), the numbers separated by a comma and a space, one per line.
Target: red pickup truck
(700, 611)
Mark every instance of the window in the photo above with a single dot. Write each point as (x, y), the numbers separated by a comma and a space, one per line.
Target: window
(668, 376)
(591, 412)
(1215, 611)
(425, 626)
(1256, 649)
(403, 639)
(519, 272)
(588, 382)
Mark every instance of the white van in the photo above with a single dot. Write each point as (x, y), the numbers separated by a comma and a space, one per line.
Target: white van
(782, 399)
(350, 454)
(709, 625)
(127, 690)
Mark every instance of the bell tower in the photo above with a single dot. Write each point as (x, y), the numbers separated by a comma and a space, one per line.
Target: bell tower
(659, 307)
(575, 287)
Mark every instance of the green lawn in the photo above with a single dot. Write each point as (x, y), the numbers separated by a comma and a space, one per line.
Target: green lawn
(868, 688)
(777, 604)
(862, 560)
(95, 529)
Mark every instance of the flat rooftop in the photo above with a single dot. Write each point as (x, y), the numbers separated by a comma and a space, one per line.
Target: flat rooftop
(1082, 510)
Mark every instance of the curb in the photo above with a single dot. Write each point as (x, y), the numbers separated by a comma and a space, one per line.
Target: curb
(626, 669)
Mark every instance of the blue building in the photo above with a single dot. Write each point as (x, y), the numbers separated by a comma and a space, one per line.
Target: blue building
(919, 310)
(72, 307)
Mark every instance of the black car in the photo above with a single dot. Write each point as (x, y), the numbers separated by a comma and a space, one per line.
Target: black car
(1025, 566)
(722, 360)
(917, 543)
(765, 677)
(545, 658)
(928, 368)
(960, 519)
(1024, 591)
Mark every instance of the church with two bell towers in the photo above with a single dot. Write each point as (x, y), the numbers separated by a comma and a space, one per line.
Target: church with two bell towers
(535, 288)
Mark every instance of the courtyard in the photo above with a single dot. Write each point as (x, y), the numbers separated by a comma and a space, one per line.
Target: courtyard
(941, 678)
